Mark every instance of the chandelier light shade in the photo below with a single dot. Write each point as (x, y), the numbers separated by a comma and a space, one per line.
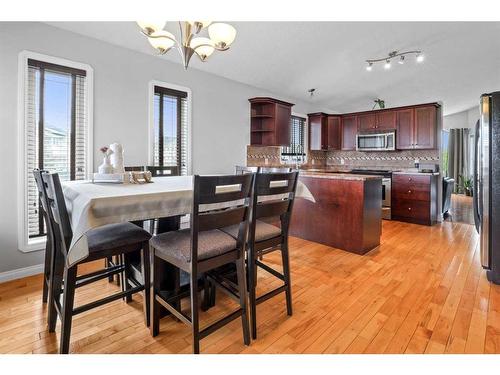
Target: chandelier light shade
(162, 40)
(203, 47)
(419, 57)
(151, 26)
(221, 36)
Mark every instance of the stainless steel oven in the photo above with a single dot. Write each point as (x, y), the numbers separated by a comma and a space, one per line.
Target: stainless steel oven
(376, 142)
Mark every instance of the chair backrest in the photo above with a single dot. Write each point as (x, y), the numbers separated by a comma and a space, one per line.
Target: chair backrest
(229, 198)
(57, 211)
(274, 170)
(165, 171)
(240, 169)
(42, 195)
(274, 194)
(138, 168)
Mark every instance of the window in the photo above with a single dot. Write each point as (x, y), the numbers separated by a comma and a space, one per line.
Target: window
(296, 152)
(56, 135)
(170, 128)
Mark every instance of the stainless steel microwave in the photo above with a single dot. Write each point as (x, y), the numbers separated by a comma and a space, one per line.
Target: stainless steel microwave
(376, 142)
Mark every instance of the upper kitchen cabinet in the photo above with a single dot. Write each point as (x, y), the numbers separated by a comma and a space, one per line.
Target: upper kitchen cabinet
(417, 127)
(425, 127)
(334, 132)
(349, 131)
(318, 131)
(377, 120)
(324, 132)
(269, 122)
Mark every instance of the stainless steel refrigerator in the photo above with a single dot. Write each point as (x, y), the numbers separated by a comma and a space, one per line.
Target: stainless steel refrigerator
(486, 188)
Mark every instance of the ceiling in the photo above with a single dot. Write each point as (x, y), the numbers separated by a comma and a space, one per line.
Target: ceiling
(462, 60)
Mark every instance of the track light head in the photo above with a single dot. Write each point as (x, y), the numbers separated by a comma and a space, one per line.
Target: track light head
(387, 64)
(401, 60)
(369, 67)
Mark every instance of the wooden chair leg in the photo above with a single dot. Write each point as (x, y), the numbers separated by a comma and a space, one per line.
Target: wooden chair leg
(67, 308)
(146, 270)
(194, 312)
(252, 283)
(47, 267)
(286, 272)
(206, 294)
(126, 276)
(240, 271)
(107, 261)
(55, 288)
(155, 312)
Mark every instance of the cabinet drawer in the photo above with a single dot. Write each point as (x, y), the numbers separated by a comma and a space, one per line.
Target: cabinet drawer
(414, 209)
(410, 179)
(412, 194)
(405, 186)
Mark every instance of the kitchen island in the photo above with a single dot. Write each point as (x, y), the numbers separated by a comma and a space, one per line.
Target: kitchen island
(343, 210)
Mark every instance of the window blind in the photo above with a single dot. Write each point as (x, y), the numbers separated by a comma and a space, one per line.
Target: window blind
(56, 130)
(170, 146)
(296, 151)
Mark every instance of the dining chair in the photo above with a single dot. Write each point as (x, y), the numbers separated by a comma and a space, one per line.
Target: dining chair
(138, 168)
(274, 170)
(240, 169)
(49, 246)
(103, 242)
(274, 194)
(163, 171)
(218, 201)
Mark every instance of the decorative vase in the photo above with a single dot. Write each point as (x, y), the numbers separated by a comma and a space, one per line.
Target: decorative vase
(105, 167)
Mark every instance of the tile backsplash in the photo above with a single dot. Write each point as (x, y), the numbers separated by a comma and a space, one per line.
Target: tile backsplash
(392, 160)
(385, 159)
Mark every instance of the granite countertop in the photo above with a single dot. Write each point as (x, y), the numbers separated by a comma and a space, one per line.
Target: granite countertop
(339, 176)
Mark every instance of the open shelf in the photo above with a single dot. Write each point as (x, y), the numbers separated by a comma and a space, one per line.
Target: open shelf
(269, 121)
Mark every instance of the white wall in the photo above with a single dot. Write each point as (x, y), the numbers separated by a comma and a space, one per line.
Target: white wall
(121, 76)
(464, 119)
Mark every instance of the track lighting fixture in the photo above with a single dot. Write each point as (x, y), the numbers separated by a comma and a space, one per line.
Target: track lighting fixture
(419, 57)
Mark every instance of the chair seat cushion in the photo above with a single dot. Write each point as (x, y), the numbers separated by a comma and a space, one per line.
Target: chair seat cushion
(114, 236)
(263, 231)
(177, 244)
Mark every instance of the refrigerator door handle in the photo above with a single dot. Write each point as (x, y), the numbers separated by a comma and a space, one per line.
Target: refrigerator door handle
(475, 189)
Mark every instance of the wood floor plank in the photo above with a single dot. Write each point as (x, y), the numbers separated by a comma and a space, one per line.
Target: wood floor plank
(422, 290)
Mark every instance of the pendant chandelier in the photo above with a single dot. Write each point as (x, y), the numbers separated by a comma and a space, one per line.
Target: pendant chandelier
(221, 35)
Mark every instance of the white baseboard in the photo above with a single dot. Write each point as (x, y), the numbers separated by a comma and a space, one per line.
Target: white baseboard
(20, 273)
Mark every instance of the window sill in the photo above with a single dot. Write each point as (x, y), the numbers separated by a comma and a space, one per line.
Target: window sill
(33, 245)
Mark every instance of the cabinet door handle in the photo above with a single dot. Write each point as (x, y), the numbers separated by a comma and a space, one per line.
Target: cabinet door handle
(409, 178)
(409, 208)
(409, 191)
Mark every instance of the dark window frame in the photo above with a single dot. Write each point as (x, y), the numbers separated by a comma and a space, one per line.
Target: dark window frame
(43, 67)
(179, 95)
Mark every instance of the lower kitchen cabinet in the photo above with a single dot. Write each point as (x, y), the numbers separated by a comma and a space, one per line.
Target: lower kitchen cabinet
(415, 198)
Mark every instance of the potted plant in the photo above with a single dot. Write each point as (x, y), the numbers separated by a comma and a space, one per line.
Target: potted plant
(466, 184)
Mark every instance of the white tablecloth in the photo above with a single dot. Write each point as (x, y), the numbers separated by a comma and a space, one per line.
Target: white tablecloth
(91, 205)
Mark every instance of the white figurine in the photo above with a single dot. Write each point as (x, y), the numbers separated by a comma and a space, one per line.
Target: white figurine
(117, 158)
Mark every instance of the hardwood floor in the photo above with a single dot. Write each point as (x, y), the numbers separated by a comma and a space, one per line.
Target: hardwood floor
(422, 291)
(461, 209)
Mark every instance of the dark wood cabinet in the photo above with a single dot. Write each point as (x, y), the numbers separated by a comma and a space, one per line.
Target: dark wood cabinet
(334, 133)
(367, 122)
(417, 127)
(318, 131)
(349, 132)
(324, 132)
(425, 127)
(414, 198)
(269, 122)
(404, 132)
(379, 120)
(385, 120)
